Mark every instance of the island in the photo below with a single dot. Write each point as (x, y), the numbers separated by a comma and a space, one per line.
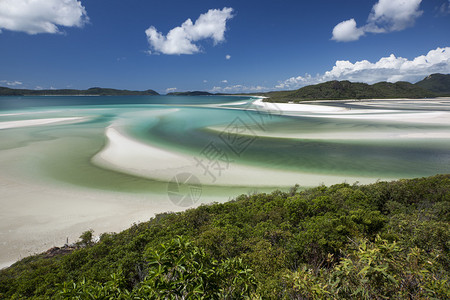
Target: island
(94, 91)
(434, 85)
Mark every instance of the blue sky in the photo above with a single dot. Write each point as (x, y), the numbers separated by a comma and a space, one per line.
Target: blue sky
(229, 46)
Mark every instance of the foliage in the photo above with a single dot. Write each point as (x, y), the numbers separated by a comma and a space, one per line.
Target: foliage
(176, 270)
(383, 240)
(379, 270)
(437, 83)
(334, 90)
(86, 238)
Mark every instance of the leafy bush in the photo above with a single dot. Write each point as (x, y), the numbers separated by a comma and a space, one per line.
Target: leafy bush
(176, 270)
(378, 270)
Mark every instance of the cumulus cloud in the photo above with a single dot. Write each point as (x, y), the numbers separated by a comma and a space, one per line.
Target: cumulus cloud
(299, 81)
(170, 90)
(347, 31)
(11, 83)
(393, 15)
(391, 68)
(386, 16)
(182, 39)
(444, 9)
(41, 16)
(224, 81)
(238, 88)
(227, 56)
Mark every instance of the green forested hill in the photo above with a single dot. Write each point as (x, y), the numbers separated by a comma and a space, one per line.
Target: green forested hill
(437, 83)
(334, 90)
(70, 92)
(379, 241)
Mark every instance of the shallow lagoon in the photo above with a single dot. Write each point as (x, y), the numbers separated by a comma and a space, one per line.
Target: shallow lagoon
(68, 164)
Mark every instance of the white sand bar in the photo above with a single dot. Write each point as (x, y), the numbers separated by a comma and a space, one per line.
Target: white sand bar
(392, 115)
(124, 154)
(294, 107)
(346, 135)
(38, 122)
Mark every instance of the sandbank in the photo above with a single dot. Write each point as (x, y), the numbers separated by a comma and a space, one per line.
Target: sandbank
(346, 135)
(38, 122)
(328, 111)
(124, 154)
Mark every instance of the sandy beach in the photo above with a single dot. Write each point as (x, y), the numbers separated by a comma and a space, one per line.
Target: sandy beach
(38, 213)
(35, 217)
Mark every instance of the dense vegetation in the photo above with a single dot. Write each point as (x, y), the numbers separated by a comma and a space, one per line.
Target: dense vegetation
(335, 90)
(379, 241)
(65, 92)
(437, 83)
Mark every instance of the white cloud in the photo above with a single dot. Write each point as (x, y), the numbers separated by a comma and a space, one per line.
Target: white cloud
(298, 81)
(169, 90)
(386, 16)
(41, 16)
(347, 31)
(393, 15)
(389, 68)
(225, 81)
(205, 81)
(181, 39)
(238, 88)
(11, 83)
(444, 9)
(227, 57)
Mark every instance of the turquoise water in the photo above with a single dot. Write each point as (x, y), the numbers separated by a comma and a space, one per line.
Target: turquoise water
(17, 102)
(247, 138)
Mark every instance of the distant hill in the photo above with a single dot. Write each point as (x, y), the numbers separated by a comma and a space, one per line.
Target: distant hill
(72, 92)
(194, 93)
(437, 83)
(335, 90)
